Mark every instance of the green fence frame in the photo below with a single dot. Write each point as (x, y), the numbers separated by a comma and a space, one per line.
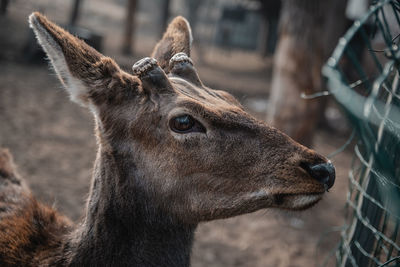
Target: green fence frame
(364, 79)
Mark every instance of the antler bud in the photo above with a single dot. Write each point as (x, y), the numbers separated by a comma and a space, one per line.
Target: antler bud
(151, 75)
(181, 65)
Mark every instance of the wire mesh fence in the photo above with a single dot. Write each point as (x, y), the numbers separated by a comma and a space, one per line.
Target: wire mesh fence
(363, 76)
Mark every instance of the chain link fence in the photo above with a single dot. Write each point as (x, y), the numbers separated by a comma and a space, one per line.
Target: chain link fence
(363, 76)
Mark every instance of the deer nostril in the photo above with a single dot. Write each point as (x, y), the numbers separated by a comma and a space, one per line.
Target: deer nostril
(322, 172)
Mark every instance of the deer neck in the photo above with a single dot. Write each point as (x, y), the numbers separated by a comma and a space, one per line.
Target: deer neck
(122, 226)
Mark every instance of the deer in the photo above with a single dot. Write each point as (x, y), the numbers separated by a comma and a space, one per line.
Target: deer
(172, 153)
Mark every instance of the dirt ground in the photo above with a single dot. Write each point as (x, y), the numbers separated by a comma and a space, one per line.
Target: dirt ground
(53, 143)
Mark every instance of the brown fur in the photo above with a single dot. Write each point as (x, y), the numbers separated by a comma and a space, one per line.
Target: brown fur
(12, 187)
(151, 186)
(31, 235)
(7, 167)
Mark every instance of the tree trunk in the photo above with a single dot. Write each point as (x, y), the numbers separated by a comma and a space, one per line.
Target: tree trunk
(75, 13)
(270, 11)
(127, 45)
(3, 6)
(309, 30)
(164, 16)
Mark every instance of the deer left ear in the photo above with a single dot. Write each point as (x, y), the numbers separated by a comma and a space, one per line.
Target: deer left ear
(177, 38)
(87, 75)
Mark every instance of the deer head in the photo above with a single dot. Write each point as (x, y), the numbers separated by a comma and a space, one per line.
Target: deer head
(192, 151)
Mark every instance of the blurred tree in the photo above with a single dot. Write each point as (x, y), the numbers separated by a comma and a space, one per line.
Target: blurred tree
(193, 10)
(3, 6)
(270, 10)
(75, 13)
(127, 45)
(164, 15)
(309, 30)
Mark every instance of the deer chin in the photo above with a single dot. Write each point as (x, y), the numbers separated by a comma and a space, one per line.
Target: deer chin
(298, 201)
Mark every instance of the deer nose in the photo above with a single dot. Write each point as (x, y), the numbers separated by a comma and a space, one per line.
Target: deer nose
(322, 172)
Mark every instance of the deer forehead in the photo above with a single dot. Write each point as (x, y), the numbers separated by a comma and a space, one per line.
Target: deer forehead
(202, 98)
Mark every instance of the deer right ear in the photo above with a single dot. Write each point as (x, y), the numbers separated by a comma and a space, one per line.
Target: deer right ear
(85, 73)
(177, 38)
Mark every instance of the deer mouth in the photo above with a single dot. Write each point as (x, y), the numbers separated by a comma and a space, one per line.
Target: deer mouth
(298, 201)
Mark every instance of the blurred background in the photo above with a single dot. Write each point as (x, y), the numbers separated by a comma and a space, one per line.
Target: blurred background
(268, 53)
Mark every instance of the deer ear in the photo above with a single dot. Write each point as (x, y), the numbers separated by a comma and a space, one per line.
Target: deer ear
(81, 69)
(177, 38)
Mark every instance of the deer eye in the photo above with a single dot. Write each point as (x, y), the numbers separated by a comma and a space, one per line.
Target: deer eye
(186, 124)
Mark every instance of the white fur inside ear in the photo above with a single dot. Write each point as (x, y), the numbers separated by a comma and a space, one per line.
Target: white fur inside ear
(190, 33)
(75, 87)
